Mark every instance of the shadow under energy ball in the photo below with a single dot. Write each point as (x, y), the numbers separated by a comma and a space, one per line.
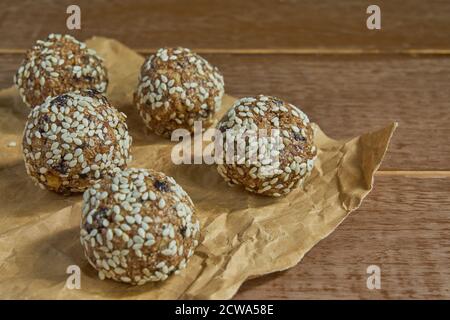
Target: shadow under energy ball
(177, 87)
(57, 65)
(73, 140)
(272, 146)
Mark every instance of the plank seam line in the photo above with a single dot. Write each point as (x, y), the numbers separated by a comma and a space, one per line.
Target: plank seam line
(318, 51)
(414, 173)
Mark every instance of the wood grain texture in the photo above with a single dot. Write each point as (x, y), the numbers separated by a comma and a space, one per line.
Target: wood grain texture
(235, 24)
(403, 227)
(347, 96)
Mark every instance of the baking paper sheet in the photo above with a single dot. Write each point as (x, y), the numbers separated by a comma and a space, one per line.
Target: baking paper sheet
(244, 235)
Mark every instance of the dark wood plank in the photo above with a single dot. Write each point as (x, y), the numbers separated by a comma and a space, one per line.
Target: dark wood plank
(215, 24)
(347, 96)
(403, 227)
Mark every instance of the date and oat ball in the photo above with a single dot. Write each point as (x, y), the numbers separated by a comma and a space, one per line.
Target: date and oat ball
(138, 225)
(177, 87)
(57, 65)
(268, 146)
(72, 140)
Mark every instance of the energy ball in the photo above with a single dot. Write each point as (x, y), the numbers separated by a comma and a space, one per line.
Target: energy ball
(268, 146)
(57, 65)
(137, 226)
(177, 87)
(73, 140)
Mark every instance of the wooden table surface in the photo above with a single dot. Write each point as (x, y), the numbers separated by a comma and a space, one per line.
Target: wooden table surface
(318, 55)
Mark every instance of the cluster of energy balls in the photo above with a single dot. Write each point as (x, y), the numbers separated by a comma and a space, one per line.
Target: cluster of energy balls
(139, 225)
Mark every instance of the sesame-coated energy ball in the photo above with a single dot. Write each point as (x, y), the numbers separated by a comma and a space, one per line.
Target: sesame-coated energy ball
(177, 87)
(73, 140)
(57, 65)
(137, 226)
(273, 149)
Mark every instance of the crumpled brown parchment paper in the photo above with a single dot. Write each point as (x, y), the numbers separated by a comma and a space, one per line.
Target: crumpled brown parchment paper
(244, 235)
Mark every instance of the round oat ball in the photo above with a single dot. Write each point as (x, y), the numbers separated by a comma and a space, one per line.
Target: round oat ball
(72, 140)
(57, 65)
(137, 226)
(177, 87)
(268, 146)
